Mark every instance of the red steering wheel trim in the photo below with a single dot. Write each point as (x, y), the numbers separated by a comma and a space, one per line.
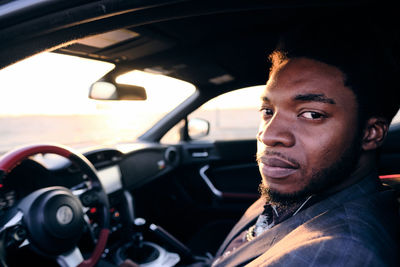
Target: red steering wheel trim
(10, 160)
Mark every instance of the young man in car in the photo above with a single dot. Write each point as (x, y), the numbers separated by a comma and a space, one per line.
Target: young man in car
(325, 111)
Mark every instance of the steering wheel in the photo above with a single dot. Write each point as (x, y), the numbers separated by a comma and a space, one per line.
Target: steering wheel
(52, 218)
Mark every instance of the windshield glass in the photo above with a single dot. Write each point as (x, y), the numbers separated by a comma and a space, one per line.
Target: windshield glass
(45, 99)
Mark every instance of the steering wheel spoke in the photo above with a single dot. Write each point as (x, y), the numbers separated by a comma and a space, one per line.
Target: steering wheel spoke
(13, 233)
(71, 258)
(14, 221)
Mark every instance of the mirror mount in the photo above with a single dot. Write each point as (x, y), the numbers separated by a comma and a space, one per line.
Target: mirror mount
(183, 131)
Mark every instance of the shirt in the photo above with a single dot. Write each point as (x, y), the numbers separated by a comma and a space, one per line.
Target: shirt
(271, 216)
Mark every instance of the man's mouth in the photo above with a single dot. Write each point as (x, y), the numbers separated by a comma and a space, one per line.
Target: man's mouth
(275, 167)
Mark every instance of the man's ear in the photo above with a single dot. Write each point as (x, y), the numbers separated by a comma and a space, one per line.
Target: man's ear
(374, 133)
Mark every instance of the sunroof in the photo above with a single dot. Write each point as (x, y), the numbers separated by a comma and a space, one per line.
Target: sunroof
(109, 38)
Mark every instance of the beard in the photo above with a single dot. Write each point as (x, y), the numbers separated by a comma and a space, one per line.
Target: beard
(321, 180)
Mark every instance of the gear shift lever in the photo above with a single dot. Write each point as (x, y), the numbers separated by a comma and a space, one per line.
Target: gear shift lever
(173, 242)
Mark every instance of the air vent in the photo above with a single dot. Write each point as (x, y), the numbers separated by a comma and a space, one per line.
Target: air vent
(171, 155)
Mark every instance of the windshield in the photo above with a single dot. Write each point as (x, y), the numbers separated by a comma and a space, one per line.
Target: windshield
(45, 99)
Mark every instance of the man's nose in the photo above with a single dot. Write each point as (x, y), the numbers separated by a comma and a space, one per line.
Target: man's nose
(276, 132)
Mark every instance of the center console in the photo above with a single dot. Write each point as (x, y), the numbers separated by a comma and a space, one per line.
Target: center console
(143, 243)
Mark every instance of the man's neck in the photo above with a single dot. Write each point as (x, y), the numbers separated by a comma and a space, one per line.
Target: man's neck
(365, 166)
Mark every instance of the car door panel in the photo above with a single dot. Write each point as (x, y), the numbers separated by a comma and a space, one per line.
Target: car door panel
(228, 168)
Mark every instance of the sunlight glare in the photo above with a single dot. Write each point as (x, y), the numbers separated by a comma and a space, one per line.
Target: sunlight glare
(244, 98)
(50, 84)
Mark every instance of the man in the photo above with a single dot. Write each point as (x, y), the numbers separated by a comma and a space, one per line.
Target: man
(325, 111)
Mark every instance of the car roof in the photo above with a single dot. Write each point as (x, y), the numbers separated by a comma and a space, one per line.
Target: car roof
(216, 45)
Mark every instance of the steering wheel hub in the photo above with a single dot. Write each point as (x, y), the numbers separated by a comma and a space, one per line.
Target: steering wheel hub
(54, 219)
(64, 215)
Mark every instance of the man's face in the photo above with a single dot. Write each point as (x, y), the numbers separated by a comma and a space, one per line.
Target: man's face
(308, 128)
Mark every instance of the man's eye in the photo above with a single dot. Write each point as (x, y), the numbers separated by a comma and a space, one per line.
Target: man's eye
(311, 115)
(267, 112)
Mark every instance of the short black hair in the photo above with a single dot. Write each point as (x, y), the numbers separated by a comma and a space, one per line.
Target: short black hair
(362, 51)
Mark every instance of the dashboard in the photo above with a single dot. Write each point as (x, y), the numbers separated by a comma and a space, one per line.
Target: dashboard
(119, 169)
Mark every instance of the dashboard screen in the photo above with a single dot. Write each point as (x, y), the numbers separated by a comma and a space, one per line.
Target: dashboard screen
(110, 178)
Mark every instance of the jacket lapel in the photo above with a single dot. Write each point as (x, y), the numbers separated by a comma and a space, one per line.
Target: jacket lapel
(248, 218)
(255, 248)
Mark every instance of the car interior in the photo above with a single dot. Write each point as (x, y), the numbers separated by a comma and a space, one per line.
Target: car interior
(156, 202)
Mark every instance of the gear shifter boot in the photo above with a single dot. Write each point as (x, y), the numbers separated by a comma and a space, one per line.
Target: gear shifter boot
(146, 255)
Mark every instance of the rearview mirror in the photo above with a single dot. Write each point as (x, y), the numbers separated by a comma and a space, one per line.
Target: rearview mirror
(198, 128)
(103, 90)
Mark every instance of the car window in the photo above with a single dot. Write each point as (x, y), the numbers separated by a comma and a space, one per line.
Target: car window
(396, 119)
(45, 99)
(232, 116)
